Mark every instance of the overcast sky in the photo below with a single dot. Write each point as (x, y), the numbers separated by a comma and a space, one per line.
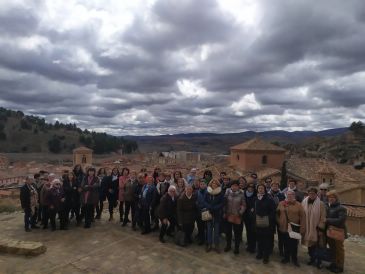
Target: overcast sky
(143, 67)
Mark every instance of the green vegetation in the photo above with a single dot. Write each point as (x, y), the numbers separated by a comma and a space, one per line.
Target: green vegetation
(28, 133)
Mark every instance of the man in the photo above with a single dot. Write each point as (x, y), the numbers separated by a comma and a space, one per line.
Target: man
(292, 185)
(323, 192)
(190, 178)
(200, 202)
(29, 201)
(167, 213)
(268, 182)
(315, 218)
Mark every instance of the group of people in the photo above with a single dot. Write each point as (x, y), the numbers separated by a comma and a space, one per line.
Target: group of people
(176, 205)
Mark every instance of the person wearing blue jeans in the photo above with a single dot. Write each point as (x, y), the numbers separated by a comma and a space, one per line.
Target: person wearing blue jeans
(214, 201)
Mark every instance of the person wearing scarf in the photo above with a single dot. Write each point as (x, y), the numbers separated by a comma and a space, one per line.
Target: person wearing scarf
(315, 215)
(112, 182)
(264, 206)
(290, 211)
(121, 186)
(336, 216)
(90, 195)
(249, 217)
(214, 201)
(167, 213)
(29, 201)
(234, 207)
(56, 201)
(186, 213)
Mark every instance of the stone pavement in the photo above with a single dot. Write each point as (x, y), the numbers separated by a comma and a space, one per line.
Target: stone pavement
(109, 248)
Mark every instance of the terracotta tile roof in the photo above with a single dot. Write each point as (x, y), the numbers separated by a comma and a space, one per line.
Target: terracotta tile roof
(258, 144)
(355, 211)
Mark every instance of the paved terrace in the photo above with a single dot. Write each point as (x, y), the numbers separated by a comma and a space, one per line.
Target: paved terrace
(109, 248)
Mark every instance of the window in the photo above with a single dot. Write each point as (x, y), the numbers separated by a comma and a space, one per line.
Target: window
(324, 180)
(264, 160)
(238, 157)
(83, 159)
(330, 181)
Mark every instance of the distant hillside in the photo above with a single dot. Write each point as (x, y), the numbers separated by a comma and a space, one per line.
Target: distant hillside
(23, 133)
(220, 143)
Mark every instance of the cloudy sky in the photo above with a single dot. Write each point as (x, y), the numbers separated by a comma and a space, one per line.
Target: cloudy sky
(143, 67)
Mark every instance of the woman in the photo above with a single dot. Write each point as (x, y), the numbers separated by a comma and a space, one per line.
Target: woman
(186, 213)
(207, 176)
(336, 217)
(75, 197)
(214, 201)
(56, 200)
(138, 201)
(180, 187)
(90, 195)
(242, 183)
(79, 174)
(315, 218)
(148, 199)
(290, 212)
(264, 209)
(67, 189)
(102, 175)
(129, 190)
(201, 205)
(167, 213)
(112, 182)
(122, 181)
(249, 217)
(233, 210)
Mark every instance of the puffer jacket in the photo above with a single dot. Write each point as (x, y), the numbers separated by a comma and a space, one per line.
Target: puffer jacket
(214, 201)
(336, 215)
(235, 203)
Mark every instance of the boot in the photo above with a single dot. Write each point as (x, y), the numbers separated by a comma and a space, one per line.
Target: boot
(236, 248)
(227, 248)
(208, 248)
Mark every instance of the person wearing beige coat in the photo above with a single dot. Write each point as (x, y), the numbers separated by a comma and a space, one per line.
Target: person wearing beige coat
(290, 211)
(315, 212)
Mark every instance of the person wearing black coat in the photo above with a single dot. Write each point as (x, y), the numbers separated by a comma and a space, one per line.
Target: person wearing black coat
(77, 208)
(264, 208)
(249, 217)
(186, 213)
(112, 184)
(56, 198)
(67, 205)
(336, 216)
(138, 202)
(28, 200)
(102, 192)
(200, 204)
(167, 213)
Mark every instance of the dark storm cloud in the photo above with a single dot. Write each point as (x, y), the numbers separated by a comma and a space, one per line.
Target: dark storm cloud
(186, 67)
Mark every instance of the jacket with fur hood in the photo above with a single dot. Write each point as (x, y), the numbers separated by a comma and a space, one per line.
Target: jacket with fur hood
(214, 201)
(235, 203)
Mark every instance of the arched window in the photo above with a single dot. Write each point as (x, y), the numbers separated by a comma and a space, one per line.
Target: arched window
(83, 159)
(264, 160)
(238, 157)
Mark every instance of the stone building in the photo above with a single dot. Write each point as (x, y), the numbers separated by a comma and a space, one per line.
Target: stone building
(83, 156)
(256, 154)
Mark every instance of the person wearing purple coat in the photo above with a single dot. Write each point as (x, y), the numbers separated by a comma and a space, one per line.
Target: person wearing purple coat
(56, 199)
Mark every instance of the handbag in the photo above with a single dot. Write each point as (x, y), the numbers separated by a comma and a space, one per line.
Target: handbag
(262, 221)
(234, 219)
(336, 233)
(293, 228)
(206, 215)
